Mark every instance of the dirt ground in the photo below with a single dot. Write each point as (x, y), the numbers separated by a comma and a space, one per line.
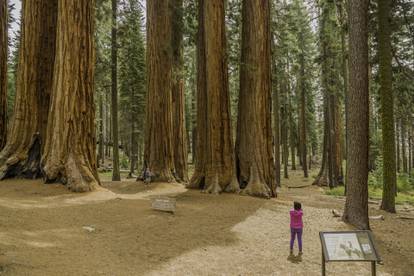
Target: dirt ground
(45, 230)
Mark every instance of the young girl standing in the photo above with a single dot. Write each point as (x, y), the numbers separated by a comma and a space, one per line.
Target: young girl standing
(296, 226)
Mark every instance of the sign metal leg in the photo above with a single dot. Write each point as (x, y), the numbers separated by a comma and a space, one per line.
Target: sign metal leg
(374, 268)
(323, 265)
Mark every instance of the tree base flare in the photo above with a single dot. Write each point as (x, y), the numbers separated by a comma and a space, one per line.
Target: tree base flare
(75, 175)
(196, 181)
(212, 185)
(256, 187)
(233, 187)
(23, 165)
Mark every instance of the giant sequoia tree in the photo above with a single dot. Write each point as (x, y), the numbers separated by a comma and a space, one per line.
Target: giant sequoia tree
(3, 73)
(70, 148)
(387, 107)
(178, 97)
(159, 156)
(254, 147)
(215, 167)
(356, 206)
(331, 169)
(21, 155)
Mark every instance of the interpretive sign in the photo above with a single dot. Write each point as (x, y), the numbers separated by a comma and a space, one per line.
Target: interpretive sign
(357, 246)
(164, 204)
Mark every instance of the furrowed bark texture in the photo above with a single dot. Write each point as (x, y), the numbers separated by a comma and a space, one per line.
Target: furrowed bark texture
(22, 153)
(178, 96)
(159, 153)
(3, 72)
(215, 167)
(387, 107)
(356, 206)
(70, 149)
(254, 149)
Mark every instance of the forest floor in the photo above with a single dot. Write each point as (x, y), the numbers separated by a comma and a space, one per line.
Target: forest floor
(45, 230)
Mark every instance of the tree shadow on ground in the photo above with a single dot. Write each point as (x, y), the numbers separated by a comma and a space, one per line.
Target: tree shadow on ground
(130, 237)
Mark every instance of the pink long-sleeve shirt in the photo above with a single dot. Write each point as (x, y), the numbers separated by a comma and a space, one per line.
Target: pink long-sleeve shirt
(296, 219)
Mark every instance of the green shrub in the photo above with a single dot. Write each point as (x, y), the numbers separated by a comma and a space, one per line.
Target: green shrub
(124, 162)
(403, 183)
(338, 191)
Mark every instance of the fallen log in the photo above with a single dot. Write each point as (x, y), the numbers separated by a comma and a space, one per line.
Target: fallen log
(405, 217)
(380, 217)
(337, 214)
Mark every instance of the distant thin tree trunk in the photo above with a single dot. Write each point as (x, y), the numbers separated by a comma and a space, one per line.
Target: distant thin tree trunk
(404, 146)
(215, 164)
(108, 132)
(21, 155)
(70, 147)
(159, 152)
(101, 154)
(356, 206)
(116, 176)
(410, 149)
(344, 50)
(397, 142)
(387, 107)
(254, 151)
(133, 156)
(292, 130)
(302, 117)
(3, 72)
(178, 95)
(284, 132)
(276, 123)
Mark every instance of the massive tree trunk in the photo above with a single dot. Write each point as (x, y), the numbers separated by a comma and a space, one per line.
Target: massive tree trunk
(21, 155)
(116, 176)
(254, 151)
(3, 72)
(70, 148)
(330, 83)
(159, 153)
(215, 166)
(356, 206)
(387, 107)
(178, 96)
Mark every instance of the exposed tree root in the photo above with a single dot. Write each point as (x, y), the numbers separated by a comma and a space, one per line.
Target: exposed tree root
(163, 176)
(196, 182)
(256, 187)
(233, 187)
(24, 165)
(212, 185)
(321, 180)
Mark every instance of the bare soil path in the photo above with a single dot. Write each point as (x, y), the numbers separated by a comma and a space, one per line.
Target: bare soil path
(45, 230)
